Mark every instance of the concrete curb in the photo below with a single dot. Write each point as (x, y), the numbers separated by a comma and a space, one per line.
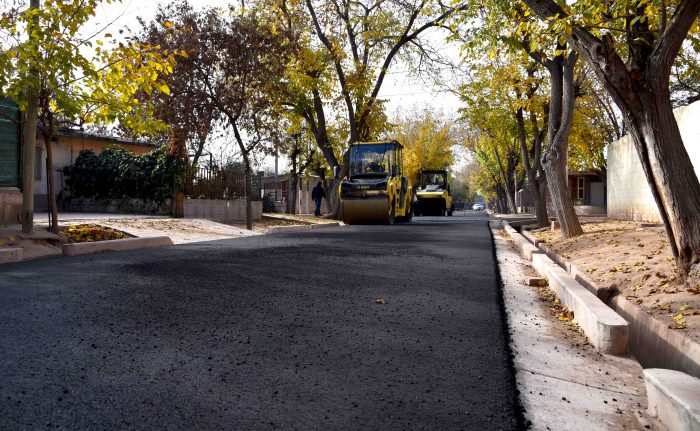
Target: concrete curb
(10, 254)
(530, 237)
(650, 340)
(324, 225)
(656, 345)
(301, 228)
(285, 229)
(674, 398)
(606, 330)
(77, 249)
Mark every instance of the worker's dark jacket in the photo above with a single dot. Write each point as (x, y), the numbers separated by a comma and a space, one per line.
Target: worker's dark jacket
(318, 193)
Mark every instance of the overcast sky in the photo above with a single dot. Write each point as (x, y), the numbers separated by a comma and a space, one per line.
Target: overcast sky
(402, 91)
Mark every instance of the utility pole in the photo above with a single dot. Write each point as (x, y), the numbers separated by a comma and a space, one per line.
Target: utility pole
(29, 140)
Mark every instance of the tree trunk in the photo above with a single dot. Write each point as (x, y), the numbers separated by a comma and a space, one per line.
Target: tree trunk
(508, 187)
(536, 186)
(670, 175)
(331, 189)
(248, 192)
(29, 144)
(50, 185)
(500, 200)
(293, 195)
(344, 171)
(539, 197)
(562, 99)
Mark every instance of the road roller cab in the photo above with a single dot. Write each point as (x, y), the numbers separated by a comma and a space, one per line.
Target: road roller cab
(375, 190)
(433, 197)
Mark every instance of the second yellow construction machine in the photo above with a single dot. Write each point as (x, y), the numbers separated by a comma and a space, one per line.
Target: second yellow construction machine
(434, 196)
(375, 190)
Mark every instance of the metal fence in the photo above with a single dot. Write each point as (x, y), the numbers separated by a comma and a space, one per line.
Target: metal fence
(208, 183)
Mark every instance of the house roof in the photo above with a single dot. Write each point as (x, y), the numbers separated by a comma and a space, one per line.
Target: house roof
(72, 133)
(584, 174)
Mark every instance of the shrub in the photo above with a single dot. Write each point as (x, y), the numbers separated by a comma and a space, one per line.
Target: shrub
(268, 203)
(117, 173)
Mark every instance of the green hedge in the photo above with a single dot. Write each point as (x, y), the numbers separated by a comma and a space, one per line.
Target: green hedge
(117, 173)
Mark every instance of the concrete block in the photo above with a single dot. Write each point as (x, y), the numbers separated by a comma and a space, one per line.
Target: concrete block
(556, 258)
(527, 250)
(10, 254)
(530, 237)
(524, 246)
(509, 229)
(674, 398)
(605, 329)
(536, 281)
(654, 344)
(288, 229)
(324, 225)
(77, 249)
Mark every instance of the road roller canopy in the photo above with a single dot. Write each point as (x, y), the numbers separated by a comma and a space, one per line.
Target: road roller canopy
(434, 179)
(373, 159)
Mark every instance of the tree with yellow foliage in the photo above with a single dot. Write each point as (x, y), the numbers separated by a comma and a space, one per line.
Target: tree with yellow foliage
(427, 142)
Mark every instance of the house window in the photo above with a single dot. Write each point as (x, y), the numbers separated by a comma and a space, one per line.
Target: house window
(581, 190)
(37, 164)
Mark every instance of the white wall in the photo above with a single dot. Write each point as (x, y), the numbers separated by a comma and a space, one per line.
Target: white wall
(629, 195)
(62, 156)
(220, 210)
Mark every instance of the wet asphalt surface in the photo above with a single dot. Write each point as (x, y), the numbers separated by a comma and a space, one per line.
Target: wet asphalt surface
(272, 332)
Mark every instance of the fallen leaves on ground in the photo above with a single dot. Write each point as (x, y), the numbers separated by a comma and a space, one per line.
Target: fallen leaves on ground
(92, 233)
(637, 261)
(380, 301)
(555, 307)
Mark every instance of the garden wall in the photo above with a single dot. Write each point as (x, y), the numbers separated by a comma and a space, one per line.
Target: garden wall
(10, 205)
(629, 195)
(117, 206)
(221, 210)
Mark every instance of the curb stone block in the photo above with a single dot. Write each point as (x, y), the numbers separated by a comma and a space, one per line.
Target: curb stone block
(674, 398)
(606, 330)
(325, 225)
(10, 254)
(603, 294)
(526, 249)
(285, 229)
(77, 249)
(654, 344)
(530, 237)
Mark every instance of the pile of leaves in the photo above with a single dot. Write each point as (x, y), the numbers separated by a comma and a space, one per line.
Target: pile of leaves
(555, 307)
(92, 232)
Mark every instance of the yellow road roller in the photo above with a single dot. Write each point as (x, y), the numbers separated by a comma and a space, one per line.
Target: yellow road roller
(433, 197)
(375, 190)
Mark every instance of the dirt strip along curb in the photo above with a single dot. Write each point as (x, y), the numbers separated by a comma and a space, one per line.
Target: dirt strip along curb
(77, 249)
(605, 329)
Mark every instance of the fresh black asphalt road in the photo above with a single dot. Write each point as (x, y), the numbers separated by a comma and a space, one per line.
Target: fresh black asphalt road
(269, 332)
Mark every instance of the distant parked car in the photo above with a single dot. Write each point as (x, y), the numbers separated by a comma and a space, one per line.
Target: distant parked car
(478, 207)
